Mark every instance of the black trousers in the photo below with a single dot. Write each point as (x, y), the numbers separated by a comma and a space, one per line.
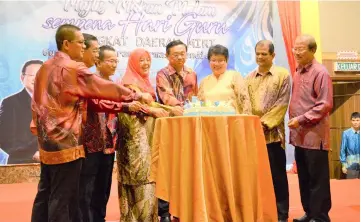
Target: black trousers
(163, 208)
(353, 174)
(95, 183)
(277, 160)
(314, 182)
(57, 199)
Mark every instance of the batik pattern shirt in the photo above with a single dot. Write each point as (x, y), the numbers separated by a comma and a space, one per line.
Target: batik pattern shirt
(270, 95)
(62, 88)
(174, 88)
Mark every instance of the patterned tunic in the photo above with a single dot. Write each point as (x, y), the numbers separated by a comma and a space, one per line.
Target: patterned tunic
(270, 95)
(136, 193)
(134, 148)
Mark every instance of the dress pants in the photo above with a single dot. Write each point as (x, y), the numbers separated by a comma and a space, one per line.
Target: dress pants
(277, 160)
(95, 183)
(314, 182)
(353, 174)
(163, 208)
(57, 199)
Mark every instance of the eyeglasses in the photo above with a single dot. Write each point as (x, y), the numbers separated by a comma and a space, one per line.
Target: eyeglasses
(299, 50)
(78, 41)
(183, 55)
(111, 61)
(218, 61)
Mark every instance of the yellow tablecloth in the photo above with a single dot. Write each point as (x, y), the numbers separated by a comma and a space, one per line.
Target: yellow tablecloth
(213, 168)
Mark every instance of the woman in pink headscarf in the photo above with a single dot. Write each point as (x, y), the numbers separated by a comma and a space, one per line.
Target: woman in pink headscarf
(137, 73)
(136, 193)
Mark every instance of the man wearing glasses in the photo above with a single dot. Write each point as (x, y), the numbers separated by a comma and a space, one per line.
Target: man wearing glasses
(99, 133)
(175, 84)
(15, 116)
(62, 88)
(311, 103)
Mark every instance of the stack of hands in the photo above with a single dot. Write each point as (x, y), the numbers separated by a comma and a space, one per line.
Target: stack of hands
(144, 106)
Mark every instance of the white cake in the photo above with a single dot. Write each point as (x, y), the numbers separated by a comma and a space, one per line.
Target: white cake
(197, 108)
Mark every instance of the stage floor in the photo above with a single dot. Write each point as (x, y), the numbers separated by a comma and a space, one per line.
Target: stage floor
(16, 201)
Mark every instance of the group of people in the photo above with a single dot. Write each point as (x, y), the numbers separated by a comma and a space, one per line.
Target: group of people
(81, 118)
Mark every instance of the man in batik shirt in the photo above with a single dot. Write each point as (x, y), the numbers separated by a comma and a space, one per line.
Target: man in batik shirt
(269, 89)
(176, 83)
(99, 136)
(62, 87)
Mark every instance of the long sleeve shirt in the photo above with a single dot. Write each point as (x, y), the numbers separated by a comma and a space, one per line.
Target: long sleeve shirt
(350, 149)
(311, 102)
(174, 88)
(62, 87)
(100, 127)
(270, 94)
(229, 86)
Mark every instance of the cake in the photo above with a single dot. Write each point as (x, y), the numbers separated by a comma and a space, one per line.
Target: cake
(208, 108)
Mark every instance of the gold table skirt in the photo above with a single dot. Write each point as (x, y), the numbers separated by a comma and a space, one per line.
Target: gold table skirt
(213, 168)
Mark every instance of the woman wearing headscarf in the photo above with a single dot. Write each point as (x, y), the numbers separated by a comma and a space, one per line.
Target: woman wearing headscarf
(137, 200)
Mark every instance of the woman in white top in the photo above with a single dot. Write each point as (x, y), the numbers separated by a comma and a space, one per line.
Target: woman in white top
(222, 84)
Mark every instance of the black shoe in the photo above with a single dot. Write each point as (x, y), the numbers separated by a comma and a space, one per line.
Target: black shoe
(317, 220)
(283, 220)
(165, 219)
(304, 218)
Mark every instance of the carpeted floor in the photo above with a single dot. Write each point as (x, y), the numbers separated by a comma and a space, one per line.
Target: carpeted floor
(16, 201)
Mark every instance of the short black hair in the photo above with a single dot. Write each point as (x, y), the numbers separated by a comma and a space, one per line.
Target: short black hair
(30, 62)
(271, 47)
(65, 32)
(355, 115)
(218, 50)
(174, 43)
(88, 38)
(102, 49)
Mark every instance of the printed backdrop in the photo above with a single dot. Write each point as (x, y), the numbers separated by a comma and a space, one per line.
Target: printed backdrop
(28, 31)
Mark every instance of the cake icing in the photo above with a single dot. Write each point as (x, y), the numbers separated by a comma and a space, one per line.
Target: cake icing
(208, 108)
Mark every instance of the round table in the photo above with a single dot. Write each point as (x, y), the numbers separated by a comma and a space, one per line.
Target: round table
(213, 168)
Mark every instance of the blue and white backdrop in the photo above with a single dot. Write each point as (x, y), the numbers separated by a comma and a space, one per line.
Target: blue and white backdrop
(28, 31)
